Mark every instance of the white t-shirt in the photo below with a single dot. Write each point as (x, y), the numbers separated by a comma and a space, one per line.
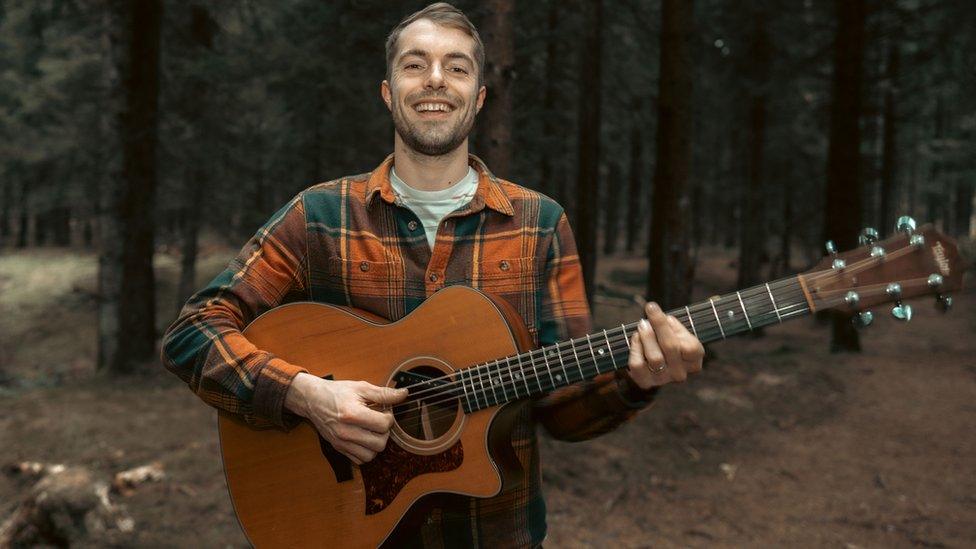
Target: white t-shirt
(431, 206)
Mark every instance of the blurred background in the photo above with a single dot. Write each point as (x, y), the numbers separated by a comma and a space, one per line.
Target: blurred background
(699, 147)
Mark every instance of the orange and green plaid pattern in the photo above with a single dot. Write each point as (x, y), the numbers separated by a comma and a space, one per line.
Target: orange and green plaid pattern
(348, 242)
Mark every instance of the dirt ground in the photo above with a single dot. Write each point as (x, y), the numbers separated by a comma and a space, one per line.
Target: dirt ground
(777, 443)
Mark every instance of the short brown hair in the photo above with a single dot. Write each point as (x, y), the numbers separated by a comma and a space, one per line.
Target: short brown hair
(445, 15)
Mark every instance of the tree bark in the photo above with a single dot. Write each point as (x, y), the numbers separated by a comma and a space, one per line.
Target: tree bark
(494, 137)
(752, 243)
(889, 148)
(588, 171)
(202, 31)
(843, 190)
(670, 268)
(635, 190)
(611, 217)
(127, 331)
(554, 186)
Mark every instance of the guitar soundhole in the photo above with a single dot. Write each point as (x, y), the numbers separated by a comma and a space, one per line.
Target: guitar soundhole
(432, 407)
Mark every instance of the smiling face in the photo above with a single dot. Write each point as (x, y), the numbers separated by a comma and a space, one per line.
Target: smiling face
(434, 91)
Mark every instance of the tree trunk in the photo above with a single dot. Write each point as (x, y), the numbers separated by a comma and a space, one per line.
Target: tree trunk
(843, 190)
(127, 331)
(494, 137)
(23, 216)
(635, 190)
(202, 30)
(752, 244)
(553, 186)
(889, 149)
(670, 269)
(611, 217)
(963, 208)
(588, 171)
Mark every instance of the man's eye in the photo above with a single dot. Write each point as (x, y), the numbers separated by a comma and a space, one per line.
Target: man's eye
(460, 70)
(412, 66)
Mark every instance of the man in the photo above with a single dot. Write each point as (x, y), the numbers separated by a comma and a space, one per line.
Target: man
(428, 217)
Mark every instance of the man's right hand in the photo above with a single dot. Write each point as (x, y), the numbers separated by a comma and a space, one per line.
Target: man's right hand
(339, 411)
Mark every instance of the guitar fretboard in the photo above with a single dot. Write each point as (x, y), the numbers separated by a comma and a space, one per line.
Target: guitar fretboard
(543, 370)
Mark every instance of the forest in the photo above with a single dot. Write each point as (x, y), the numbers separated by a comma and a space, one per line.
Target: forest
(698, 147)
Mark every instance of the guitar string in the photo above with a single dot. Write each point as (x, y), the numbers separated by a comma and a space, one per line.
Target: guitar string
(442, 414)
(758, 292)
(495, 367)
(513, 383)
(596, 370)
(921, 282)
(566, 352)
(760, 295)
(477, 375)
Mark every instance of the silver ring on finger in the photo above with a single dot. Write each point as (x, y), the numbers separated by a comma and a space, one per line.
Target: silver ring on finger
(659, 369)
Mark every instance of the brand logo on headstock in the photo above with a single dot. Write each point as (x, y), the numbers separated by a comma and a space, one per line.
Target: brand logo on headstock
(938, 253)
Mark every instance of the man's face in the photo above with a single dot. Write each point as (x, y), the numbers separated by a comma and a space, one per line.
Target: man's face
(433, 93)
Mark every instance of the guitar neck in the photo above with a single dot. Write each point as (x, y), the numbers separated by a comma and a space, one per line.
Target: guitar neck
(568, 362)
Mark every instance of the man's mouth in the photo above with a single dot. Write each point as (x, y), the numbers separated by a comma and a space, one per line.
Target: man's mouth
(433, 108)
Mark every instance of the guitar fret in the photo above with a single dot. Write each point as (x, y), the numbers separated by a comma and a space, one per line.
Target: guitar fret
(691, 321)
(464, 388)
(559, 355)
(610, 350)
(593, 354)
(746, 313)
(525, 378)
(512, 379)
(579, 365)
(548, 369)
(491, 383)
(717, 319)
(773, 301)
(626, 336)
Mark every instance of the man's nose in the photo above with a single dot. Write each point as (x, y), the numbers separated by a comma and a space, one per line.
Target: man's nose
(435, 77)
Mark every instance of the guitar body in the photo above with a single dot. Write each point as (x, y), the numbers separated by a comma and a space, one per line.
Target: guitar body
(292, 489)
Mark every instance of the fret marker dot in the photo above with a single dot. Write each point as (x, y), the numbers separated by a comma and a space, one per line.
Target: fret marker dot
(600, 352)
(559, 377)
(516, 375)
(731, 314)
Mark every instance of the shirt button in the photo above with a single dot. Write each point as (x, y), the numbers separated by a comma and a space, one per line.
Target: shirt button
(503, 265)
(364, 266)
(412, 225)
(433, 277)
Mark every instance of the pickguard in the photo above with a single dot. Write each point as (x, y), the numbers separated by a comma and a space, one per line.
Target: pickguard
(393, 468)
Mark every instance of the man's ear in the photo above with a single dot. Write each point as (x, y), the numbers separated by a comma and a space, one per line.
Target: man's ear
(386, 94)
(481, 98)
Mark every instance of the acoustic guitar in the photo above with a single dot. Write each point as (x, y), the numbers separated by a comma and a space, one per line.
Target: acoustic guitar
(467, 361)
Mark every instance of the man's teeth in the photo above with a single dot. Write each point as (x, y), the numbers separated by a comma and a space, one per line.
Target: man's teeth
(433, 107)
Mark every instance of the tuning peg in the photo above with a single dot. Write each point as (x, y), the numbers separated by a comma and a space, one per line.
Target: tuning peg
(852, 298)
(868, 236)
(943, 302)
(863, 319)
(905, 224)
(832, 250)
(900, 311)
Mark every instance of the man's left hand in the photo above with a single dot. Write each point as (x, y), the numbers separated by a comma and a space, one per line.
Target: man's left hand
(662, 350)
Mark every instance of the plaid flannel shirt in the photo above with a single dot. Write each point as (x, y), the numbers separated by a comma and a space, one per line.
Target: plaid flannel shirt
(348, 242)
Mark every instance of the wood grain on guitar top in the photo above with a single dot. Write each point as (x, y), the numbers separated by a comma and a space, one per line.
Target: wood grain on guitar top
(284, 490)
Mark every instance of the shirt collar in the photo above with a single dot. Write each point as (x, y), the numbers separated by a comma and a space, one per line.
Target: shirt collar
(490, 192)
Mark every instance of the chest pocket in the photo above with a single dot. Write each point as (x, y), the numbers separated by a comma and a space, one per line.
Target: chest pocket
(365, 278)
(507, 276)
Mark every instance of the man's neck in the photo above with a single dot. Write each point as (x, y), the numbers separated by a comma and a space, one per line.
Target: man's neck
(430, 173)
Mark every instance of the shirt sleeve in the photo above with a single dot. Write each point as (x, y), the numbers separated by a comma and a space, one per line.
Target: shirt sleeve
(584, 410)
(205, 346)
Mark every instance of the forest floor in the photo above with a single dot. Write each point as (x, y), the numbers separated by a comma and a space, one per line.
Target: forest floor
(777, 443)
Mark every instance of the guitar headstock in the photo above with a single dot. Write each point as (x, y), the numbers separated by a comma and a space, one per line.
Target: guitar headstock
(909, 264)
